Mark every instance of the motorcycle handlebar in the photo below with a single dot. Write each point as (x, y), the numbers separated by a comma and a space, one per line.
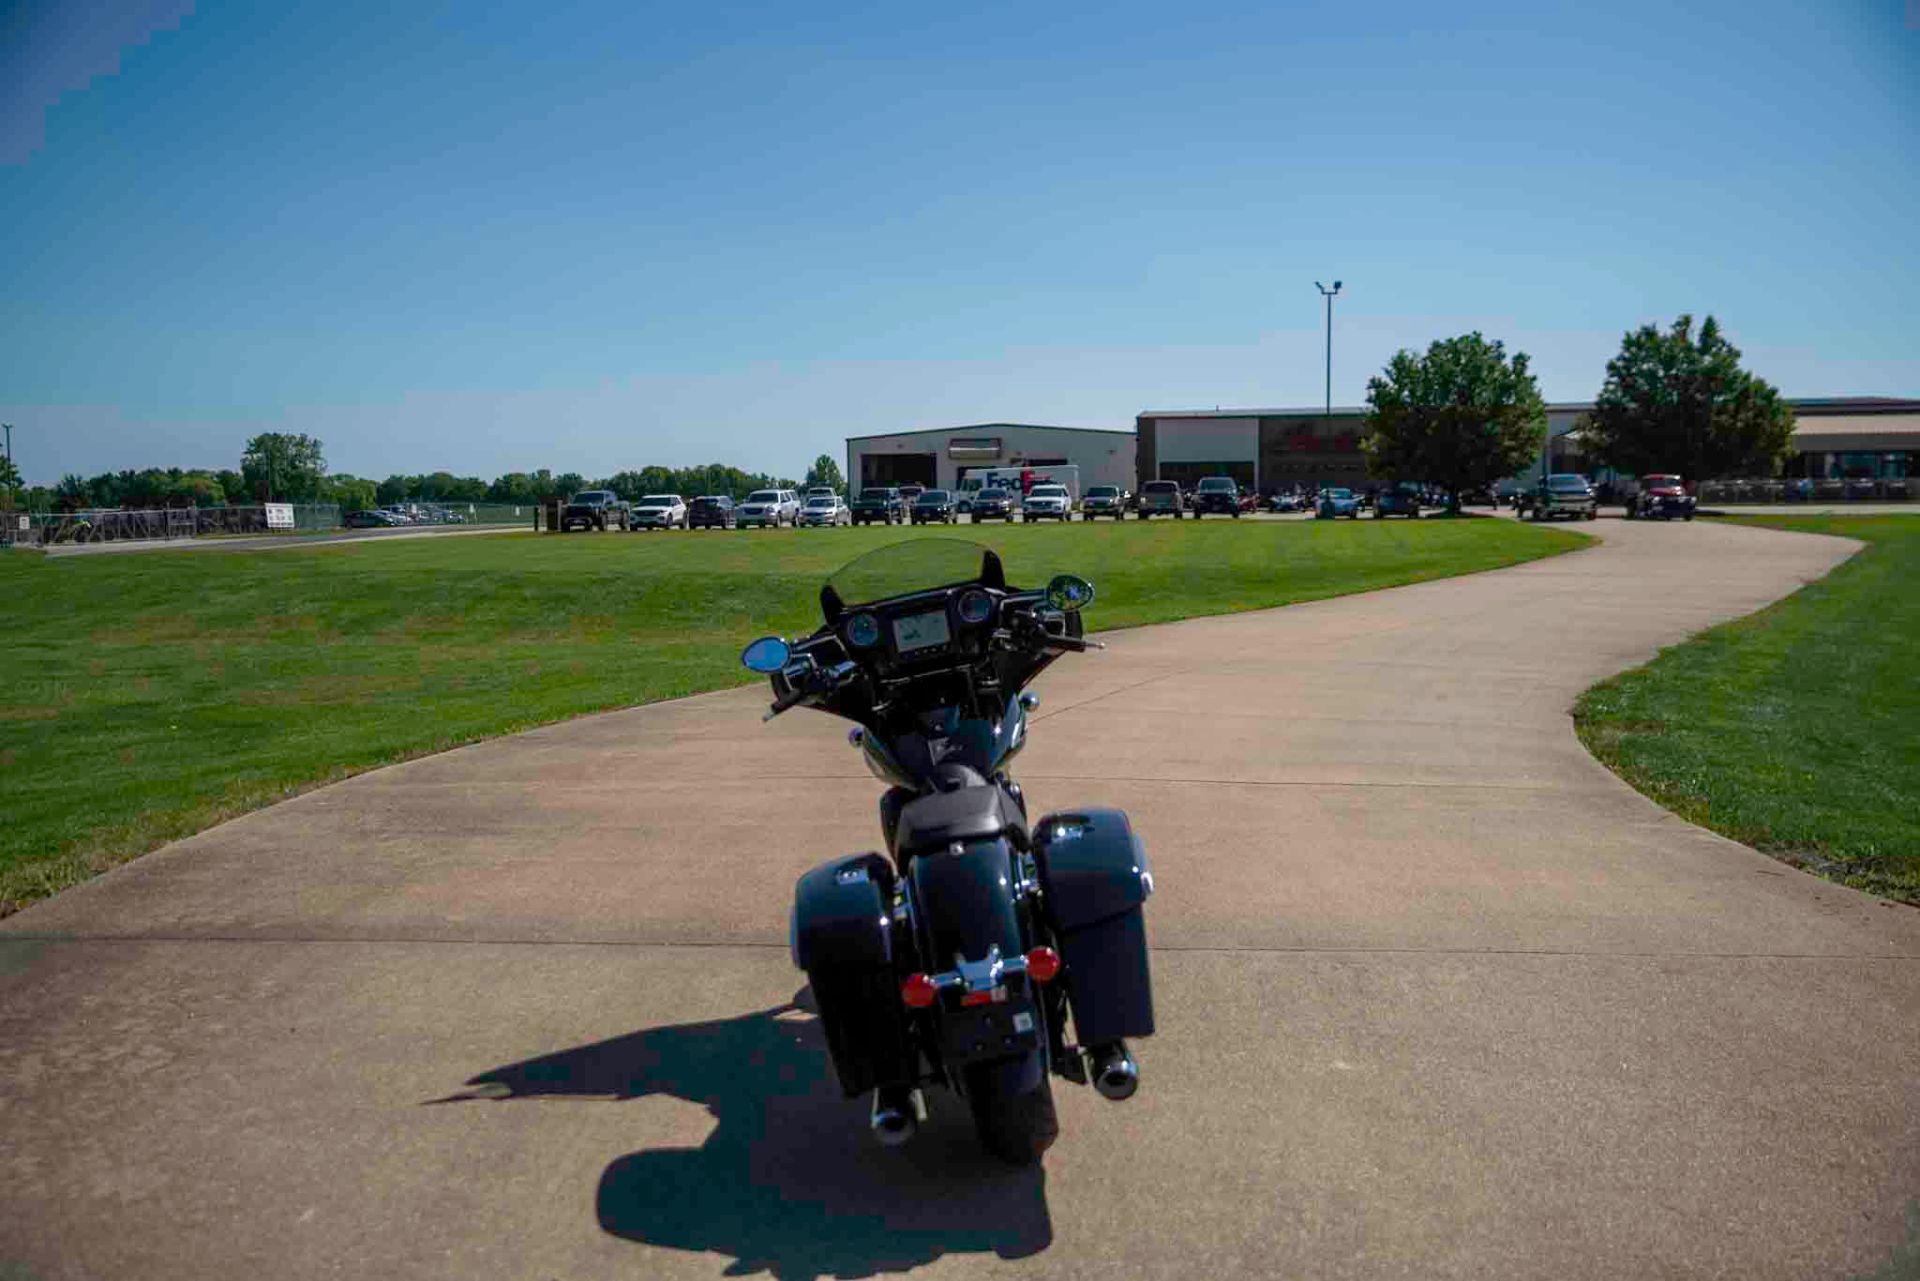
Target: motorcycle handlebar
(813, 681)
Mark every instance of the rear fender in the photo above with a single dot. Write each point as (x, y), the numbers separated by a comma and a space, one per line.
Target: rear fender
(963, 902)
(966, 911)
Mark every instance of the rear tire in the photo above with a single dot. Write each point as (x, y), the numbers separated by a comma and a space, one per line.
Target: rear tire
(1012, 1105)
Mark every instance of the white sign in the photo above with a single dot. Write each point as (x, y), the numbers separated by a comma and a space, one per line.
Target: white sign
(279, 515)
(26, 524)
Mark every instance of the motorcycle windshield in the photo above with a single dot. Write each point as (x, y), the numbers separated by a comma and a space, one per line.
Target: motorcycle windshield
(901, 569)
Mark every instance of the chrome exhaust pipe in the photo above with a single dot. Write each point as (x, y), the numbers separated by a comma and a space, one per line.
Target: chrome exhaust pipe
(897, 1113)
(1115, 1074)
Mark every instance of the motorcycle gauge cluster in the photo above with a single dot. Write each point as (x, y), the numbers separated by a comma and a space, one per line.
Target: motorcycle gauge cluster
(975, 606)
(863, 631)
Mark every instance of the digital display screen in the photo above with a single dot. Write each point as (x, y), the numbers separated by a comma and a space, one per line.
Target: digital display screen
(917, 631)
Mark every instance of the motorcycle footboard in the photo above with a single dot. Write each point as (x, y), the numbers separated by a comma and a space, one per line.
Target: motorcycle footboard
(842, 937)
(1095, 880)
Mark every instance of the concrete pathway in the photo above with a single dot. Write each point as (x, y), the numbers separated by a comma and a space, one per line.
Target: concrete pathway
(1440, 997)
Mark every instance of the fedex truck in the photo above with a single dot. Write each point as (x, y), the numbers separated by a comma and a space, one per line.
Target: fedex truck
(1020, 479)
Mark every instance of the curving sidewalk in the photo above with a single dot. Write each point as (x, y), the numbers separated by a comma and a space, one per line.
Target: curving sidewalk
(1439, 995)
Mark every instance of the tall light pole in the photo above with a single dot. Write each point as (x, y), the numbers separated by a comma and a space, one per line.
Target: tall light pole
(1328, 294)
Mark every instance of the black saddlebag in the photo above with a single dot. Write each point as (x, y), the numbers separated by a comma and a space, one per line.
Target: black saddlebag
(1094, 874)
(842, 936)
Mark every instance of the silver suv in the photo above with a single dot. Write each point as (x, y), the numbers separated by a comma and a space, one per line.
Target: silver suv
(1162, 498)
(774, 507)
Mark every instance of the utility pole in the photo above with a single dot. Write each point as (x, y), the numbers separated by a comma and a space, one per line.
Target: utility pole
(8, 428)
(1328, 294)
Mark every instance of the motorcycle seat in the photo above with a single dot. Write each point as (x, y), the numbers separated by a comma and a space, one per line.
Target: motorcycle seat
(969, 814)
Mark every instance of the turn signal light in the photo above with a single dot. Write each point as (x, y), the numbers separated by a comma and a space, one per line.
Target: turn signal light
(1043, 963)
(918, 991)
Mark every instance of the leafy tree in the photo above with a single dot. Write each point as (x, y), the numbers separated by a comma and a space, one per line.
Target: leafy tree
(1672, 402)
(568, 483)
(9, 479)
(194, 489)
(514, 487)
(73, 492)
(1460, 417)
(825, 471)
(283, 467)
(351, 492)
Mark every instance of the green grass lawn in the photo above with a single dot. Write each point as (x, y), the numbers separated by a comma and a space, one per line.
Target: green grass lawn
(144, 697)
(1795, 730)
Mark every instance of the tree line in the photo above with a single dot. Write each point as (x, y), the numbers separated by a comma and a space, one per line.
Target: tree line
(291, 468)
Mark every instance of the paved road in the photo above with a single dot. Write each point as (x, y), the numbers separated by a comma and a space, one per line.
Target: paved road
(1440, 996)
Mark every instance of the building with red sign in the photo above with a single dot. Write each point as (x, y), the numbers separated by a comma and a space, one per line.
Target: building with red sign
(1836, 440)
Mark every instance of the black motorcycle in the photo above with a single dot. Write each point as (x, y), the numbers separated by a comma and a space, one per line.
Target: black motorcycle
(957, 958)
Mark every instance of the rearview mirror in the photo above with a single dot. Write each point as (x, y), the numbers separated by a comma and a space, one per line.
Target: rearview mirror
(1069, 593)
(767, 655)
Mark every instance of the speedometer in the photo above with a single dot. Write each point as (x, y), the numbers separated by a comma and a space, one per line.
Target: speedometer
(975, 606)
(863, 631)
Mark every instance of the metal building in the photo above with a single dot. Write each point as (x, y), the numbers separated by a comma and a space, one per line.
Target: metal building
(936, 457)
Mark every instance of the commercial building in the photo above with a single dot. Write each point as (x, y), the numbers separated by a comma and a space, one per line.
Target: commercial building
(1835, 440)
(936, 457)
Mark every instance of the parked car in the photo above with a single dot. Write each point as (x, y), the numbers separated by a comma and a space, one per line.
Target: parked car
(372, 520)
(1104, 500)
(825, 509)
(820, 491)
(660, 511)
(1402, 500)
(600, 509)
(1335, 503)
(910, 493)
(933, 505)
(710, 511)
(770, 507)
(1660, 496)
(880, 503)
(1047, 502)
(992, 503)
(1217, 494)
(1563, 494)
(1161, 498)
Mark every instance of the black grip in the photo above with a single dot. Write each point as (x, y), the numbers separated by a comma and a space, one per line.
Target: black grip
(787, 700)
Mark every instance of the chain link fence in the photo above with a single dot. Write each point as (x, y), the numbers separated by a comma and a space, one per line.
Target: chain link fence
(113, 524)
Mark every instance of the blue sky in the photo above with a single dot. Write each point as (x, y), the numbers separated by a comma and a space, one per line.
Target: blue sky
(598, 235)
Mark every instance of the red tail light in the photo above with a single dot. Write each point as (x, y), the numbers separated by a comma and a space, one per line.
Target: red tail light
(1043, 964)
(918, 991)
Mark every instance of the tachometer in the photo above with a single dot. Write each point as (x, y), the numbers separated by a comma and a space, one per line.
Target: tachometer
(863, 631)
(975, 606)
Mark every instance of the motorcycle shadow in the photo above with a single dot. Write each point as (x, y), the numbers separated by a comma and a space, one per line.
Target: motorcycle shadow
(789, 1182)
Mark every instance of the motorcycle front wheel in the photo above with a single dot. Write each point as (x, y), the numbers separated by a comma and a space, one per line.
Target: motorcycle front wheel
(1012, 1104)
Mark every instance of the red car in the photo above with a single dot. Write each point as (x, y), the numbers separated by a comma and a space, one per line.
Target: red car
(1661, 496)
